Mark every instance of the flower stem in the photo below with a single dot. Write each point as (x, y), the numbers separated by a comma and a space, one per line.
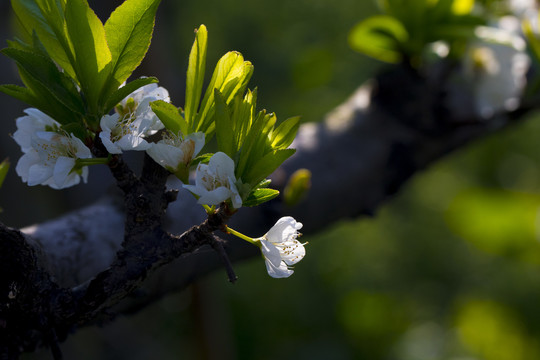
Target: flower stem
(242, 236)
(209, 210)
(92, 161)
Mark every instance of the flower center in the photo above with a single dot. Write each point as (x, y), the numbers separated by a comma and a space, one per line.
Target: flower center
(124, 127)
(50, 151)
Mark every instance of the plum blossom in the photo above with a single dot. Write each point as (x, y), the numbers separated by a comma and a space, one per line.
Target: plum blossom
(174, 152)
(50, 156)
(133, 120)
(215, 182)
(280, 247)
(28, 125)
(119, 134)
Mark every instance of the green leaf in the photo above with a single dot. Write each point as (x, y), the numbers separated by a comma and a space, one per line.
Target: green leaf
(125, 90)
(169, 116)
(224, 126)
(195, 75)
(77, 129)
(252, 146)
(21, 93)
(230, 77)
(285, 133)
(92, 55)
(4, 167)
(379, 37)
(45, 19)
(204, 159)
(129, 32)
(44, 71)
(46, 101)
(260, 196)
(267, 165)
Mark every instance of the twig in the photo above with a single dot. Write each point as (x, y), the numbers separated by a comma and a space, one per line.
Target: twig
(217, 245)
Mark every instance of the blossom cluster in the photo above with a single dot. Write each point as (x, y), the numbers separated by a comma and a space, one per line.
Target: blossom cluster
(53, 157)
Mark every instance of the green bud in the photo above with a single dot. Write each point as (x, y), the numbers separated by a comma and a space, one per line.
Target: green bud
(297, 187)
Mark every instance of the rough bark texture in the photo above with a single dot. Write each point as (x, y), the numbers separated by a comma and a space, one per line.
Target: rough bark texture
(120, 254)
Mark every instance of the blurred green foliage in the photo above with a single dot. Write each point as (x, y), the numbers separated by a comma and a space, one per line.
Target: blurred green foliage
(449, 269)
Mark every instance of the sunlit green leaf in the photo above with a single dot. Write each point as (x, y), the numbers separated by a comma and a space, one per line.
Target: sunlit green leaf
(285, 133)
(129, 32)
(169, 116)
(92, 55)
(195, 74)
(49, 27)
(267, 165)
(230, 77)
(204, 159)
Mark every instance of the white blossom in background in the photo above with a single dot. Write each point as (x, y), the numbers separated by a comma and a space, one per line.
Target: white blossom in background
(174, 151)
(215, 182)
(133, 121)
(524, 9)
(51, 159)
(496, 67)
(280, 247)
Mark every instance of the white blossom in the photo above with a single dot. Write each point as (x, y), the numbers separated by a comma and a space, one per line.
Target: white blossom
(174, 151)
(216, 182)
(51, 160)
(281, 249)
(496, 67)
(120, 134)
(138, 104)
(28, 125)
(133, 121)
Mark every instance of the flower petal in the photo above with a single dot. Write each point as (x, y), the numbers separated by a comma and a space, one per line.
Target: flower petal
(278, 272)
(62, 175)
(25, 162)
(166, 155)
(214, 197)
(270, 253)
(285, 229)
(222, 166)
(111, 147)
